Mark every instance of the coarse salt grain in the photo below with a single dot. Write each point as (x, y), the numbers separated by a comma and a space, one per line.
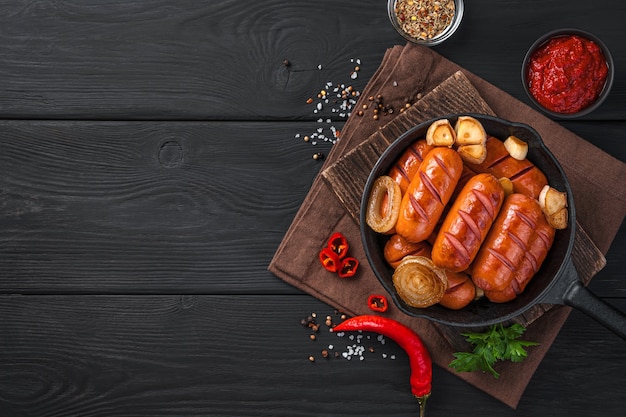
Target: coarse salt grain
(344, 101)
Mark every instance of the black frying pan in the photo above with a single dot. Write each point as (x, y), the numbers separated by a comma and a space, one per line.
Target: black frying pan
(557, 281)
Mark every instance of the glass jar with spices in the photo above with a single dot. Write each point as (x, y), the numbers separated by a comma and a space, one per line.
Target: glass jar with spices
(425, 22)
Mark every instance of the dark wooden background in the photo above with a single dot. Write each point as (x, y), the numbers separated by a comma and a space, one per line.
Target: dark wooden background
(149, 168)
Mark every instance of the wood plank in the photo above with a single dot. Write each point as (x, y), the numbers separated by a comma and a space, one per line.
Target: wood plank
(224, 60)
(248, 355)
(148, 207)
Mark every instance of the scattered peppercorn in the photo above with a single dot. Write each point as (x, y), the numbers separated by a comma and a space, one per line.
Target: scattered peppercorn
(311, 358)
(286, 63)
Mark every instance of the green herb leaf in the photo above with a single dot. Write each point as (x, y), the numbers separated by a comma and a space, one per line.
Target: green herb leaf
(499, 343)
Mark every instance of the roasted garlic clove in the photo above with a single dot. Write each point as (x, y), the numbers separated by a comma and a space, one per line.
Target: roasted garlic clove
(469, 131)
(440, 133)
(507, 184)
(516, 147)
(553, 203)
(383, 206)
(473, 154)
(419, 282)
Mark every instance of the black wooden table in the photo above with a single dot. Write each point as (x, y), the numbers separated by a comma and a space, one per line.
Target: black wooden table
(152, 160)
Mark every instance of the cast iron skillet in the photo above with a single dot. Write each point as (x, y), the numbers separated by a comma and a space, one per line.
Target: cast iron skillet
(557, 281)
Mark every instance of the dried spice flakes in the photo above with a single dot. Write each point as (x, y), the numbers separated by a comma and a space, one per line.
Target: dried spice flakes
(424, 19)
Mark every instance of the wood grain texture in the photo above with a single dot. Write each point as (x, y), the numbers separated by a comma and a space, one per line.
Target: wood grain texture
(178, 355)
(148, 207)
(180, 60)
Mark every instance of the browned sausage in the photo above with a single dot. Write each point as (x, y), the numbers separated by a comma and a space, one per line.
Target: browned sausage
(468, 222)
(510, 239)
(461, 291)
(428, 193)
(526, 177)
(533, 258)
(409, 162)
(397, 248)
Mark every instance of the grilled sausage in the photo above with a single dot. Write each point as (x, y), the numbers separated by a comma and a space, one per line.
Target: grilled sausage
(461, 291)
(511, 240)
(468, 222)
(526, 177)
(397, 248)
(428, 193)
(466, 175)
(533, 258)
(409, 162)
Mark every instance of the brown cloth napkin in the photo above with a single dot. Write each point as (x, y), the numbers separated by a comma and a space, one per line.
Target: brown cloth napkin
(413, 71)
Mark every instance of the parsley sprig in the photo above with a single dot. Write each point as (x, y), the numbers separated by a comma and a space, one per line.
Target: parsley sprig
(499, 343)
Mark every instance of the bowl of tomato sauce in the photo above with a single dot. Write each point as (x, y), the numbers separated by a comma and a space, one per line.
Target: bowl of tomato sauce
(568, 73)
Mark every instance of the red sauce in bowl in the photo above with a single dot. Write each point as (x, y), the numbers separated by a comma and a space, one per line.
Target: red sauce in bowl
(567, 73)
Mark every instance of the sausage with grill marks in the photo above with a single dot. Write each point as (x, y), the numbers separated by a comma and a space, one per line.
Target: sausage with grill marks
(397, 248)
(533, 258)
(511, 241)
(409, 162)
(526, 177)
(467, 223)
(428, 193)
(461, 291)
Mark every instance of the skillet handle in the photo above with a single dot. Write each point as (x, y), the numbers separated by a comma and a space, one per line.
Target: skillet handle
(579, 297)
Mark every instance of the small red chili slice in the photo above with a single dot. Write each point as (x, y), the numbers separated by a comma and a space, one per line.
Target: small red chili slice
(339, 244)
(329, 259)
(348, 267)
(377, 303)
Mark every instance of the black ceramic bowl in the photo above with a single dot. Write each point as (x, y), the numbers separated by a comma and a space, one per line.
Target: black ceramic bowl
(561, 33)
(479, 313)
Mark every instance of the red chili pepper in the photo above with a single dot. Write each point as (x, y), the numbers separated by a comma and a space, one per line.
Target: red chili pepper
(377, 303)
(348, 267)
(329, 259)
(407, 339)
(339, 244)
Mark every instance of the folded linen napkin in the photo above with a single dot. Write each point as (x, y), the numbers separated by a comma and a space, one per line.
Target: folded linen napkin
(409, 73)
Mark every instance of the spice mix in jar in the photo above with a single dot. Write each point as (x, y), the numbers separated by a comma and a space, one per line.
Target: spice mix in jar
(424, 20)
